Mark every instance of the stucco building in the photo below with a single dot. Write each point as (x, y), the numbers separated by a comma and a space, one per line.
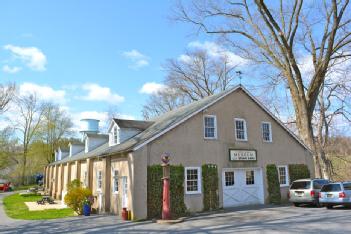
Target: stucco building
(231, 129)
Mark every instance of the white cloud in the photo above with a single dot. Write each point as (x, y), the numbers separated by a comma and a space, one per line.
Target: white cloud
(138, 59)
(33, 57)
(11, 70)
(99, 93)
(152, 88)
(43, 92)
(216, 51)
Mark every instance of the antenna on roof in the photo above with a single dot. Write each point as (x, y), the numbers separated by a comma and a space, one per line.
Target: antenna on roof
(239, 73)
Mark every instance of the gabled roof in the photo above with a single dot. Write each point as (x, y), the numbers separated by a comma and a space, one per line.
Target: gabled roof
(168, 121)
(138, 124)
(172, 119)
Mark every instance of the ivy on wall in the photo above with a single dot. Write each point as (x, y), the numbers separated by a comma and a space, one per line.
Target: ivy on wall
(210, 186)
(298, 171)
(274, 195)
(154, 191)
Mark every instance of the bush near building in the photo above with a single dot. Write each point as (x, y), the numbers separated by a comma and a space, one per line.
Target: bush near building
(210, 186)
(76, 195)
(274, 195)
(298, 171)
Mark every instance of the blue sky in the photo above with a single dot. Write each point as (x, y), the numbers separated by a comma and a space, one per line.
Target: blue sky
(64, 49)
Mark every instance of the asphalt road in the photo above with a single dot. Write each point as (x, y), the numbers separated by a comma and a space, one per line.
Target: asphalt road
(258, 219)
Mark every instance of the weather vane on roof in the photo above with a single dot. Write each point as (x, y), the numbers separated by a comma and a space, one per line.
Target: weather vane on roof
(239, 73)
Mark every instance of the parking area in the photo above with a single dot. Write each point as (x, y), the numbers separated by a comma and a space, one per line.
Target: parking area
(262, 219)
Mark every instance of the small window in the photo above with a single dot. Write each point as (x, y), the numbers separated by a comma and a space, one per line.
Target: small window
(318, 184)
(229, 178)
(301, 185)
(283, 175)
(347, 186)
(115, 135)
(267, 132)
(99, 181)
(210, 127)
(331, 188)
(85, 179)
(250, 177)
(115, 181)
(192, 180)
(240, 130)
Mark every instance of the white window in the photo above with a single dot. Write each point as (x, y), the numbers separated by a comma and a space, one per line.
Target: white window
(99, 181)
(266, 131)
(240, 129)
(115, 181)
(192, 180)
(210, 127)
(283, 175)
(85, 179)
(115, 135)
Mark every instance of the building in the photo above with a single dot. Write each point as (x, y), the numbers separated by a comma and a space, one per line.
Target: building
(231, 129)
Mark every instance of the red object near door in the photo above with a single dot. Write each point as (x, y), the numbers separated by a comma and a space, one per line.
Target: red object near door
(124, 214)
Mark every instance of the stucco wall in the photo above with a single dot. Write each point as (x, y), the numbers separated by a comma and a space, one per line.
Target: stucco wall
(189, 148)
(122, 166)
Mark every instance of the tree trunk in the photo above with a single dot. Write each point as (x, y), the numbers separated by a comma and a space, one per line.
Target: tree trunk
(305, 129)
(24, 167)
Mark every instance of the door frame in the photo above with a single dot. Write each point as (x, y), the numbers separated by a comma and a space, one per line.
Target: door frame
(256, 169)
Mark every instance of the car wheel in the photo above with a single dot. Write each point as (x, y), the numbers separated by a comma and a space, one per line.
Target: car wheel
(296, 204)
(329, 207)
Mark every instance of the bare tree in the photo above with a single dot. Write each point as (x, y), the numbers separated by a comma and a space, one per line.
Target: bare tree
(162, 102)
(6, 95)
(334, 104)
(31, 114)
(197, 74)
(56, 124)
(285, 36)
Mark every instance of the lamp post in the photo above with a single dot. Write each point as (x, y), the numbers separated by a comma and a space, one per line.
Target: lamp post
(166, 206)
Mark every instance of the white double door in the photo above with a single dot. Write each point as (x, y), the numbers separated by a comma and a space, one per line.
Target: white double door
(242, 186)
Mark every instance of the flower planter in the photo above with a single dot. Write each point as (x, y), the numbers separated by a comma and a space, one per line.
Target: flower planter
(86, 210)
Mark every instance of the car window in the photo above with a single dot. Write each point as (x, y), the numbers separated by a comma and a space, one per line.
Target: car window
(317, 184)
(331, 188)
(301, 185)
(347, 186)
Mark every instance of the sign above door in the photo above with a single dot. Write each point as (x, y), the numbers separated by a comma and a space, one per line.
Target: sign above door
(242, 155)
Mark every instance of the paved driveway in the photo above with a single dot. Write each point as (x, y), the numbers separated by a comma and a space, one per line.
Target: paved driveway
(260, 219)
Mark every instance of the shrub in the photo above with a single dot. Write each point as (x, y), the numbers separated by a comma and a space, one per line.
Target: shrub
(154, 191)
(274, 195)
(210, 186)
(76, 196)
(298, 171)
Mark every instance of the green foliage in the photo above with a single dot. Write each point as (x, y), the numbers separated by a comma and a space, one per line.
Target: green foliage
(210, 186)
(16, 208)
(274, 195)
(76, 196)
(298, 171)
(178, 207)
(154, 191)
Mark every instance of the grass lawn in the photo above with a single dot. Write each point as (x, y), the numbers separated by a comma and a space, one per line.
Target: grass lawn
(16, 209)
(24, 187)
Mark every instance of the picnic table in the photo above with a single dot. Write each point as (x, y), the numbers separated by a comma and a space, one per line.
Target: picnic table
(46, 199)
